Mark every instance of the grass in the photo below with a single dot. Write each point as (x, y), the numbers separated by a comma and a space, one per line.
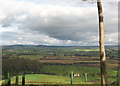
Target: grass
(86, 49)
(66, 69)
(55, 79)
(49, 79)
(63, 75)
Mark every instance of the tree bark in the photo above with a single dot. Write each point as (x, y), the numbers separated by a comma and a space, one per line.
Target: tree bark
(102, 47)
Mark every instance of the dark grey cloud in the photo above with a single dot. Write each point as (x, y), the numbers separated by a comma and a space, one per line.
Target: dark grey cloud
(64, 23)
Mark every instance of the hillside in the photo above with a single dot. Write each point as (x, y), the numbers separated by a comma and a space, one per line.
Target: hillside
(58, 61)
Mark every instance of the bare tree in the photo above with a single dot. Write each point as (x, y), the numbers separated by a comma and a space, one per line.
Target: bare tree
(101, 45)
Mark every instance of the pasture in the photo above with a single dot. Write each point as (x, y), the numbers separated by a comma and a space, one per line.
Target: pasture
(53, 64)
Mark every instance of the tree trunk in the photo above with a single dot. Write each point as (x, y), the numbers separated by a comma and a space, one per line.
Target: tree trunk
(101, 43)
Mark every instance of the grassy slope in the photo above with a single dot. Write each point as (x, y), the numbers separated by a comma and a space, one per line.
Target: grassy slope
(66, 69)
(60, 79)
(50, 79)
(59, 69)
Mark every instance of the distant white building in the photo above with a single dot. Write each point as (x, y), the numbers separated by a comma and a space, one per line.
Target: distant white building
(77, 75)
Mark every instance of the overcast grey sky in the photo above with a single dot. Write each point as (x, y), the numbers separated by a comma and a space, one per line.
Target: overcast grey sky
(49, 22)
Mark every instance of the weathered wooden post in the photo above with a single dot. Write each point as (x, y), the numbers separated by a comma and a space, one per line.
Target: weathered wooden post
(71, 77)
(9, 80)
(23, 79)
(118, 74)
(86, 79)
(16, 82)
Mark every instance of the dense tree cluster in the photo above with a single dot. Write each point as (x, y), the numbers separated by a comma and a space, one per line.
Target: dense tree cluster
(17, 66)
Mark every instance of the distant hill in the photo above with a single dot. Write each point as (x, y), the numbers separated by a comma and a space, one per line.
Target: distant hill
(107, 46)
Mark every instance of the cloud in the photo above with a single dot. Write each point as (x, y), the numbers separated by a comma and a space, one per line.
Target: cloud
(56, 24)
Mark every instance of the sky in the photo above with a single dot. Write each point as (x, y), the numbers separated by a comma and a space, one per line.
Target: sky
(56, 22)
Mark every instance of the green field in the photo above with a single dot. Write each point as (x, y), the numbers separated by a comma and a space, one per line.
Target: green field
(66, 69)
(55, 79)
(86, 50)
(62, 75)
(50, 79)
(59, 69)
(53, 64)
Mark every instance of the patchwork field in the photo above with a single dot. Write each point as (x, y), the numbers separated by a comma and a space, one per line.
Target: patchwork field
(92, 61)
(53, 65)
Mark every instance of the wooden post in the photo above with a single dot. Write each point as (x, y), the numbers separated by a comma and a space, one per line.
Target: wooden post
(118, 74)
(71, 77)
(16, 82)
(86, 79)
(23, 79)
(101, 43)
(9, 80)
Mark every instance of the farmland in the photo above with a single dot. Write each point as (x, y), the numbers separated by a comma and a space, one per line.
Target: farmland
(60, 75)
(53, 64)
(54, 79)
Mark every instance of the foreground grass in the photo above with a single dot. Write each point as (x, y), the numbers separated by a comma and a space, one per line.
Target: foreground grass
(62, 75)
(49, 79)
